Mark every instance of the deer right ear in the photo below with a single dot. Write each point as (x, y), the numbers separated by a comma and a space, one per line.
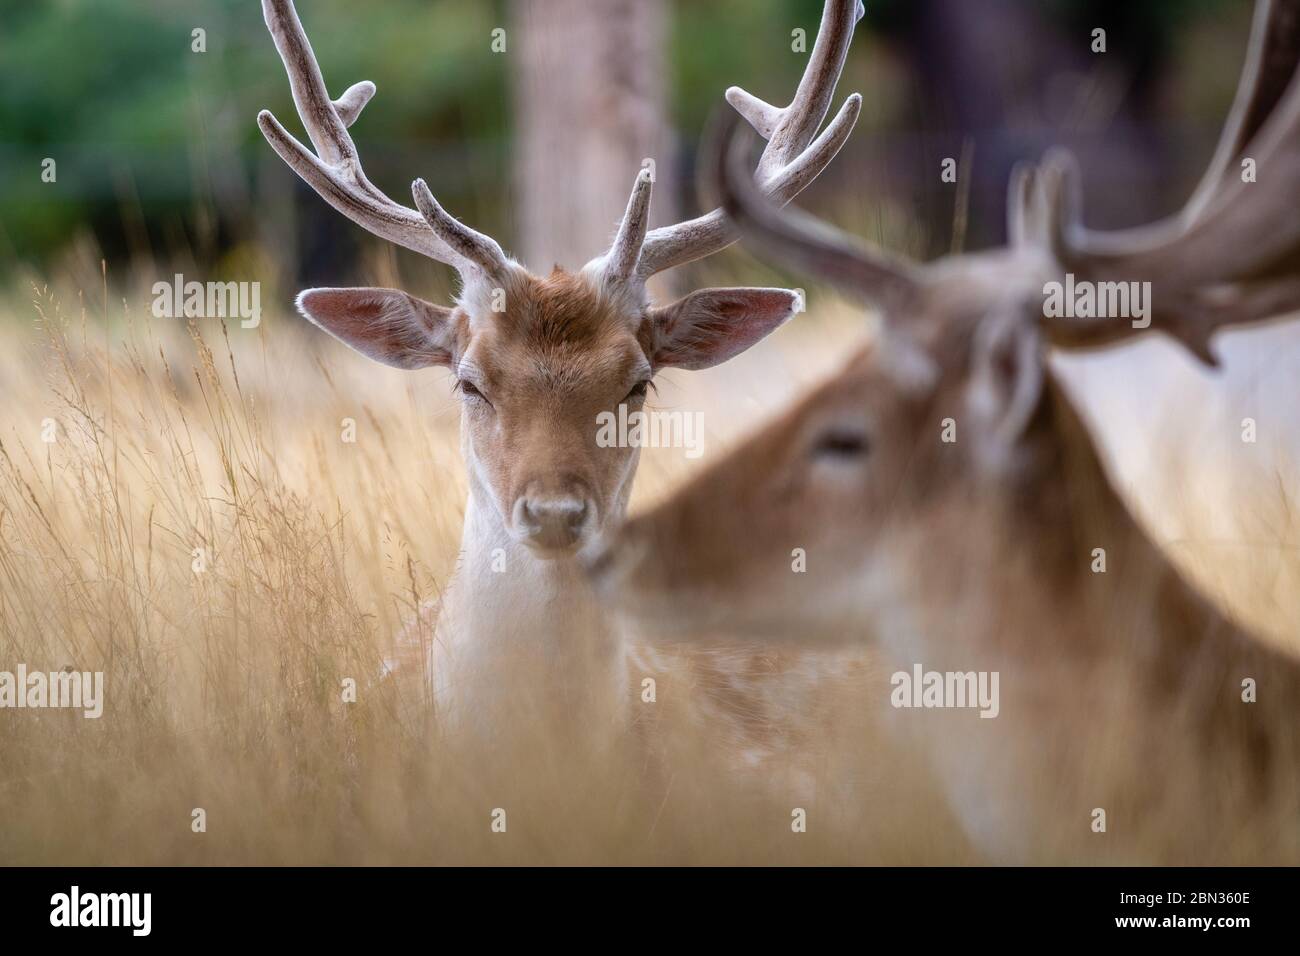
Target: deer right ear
(387, 325)
(1006, 387)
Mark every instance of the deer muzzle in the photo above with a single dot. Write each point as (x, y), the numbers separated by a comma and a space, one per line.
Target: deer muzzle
(552, 524)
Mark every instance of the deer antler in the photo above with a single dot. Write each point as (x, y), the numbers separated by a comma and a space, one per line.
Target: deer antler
(621, 260)
(335, 172)
(791, 160)
(1229, 256)
(789, 235)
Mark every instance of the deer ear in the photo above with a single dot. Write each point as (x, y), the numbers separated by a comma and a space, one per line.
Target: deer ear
(387, 325)
(712, 325)
(1005, 389)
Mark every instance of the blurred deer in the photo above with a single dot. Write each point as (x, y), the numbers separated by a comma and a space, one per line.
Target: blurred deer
(1136, 721)
(536, 359)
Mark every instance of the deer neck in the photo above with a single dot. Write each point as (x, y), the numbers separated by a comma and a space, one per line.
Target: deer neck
(1123, 684)
(521, 639)
(511, 592)
(1105, 573)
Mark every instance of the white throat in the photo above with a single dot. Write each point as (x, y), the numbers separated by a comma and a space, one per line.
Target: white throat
(521, 638)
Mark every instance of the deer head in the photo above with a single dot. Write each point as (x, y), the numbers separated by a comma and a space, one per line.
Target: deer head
(943, 459)
(537, 358)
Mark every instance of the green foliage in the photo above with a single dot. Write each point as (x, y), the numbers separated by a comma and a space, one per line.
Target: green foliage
(147, 132)
(112, 90)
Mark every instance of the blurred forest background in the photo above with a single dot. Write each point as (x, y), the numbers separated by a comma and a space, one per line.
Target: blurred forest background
(159, 161)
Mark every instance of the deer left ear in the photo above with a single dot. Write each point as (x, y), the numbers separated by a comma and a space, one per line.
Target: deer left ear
(1005, 390)
(712, 325)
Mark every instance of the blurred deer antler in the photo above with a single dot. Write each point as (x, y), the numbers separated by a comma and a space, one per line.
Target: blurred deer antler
(1231, 255)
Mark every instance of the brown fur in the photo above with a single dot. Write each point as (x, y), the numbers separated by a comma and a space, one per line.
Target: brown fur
(1120, 690)
(557, 356)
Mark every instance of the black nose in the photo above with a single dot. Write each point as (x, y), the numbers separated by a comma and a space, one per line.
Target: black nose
(552, 522)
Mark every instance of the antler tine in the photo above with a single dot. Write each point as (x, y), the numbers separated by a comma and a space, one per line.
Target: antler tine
(1271, 59)
(621, 261)
(1211, 264)
(1024, 220)
(327, 133)
(334, 170)
(353, 101)
(1270, 65)
(469, 245)
(792, 158)
(796, 238)
(797, 124)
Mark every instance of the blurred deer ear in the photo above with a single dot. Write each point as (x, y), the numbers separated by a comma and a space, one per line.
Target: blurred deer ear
(712, 325)
(387, 325)
(1005, 389)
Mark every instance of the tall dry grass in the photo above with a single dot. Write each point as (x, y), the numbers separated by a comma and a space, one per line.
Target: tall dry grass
(220, 445)
(200, 531)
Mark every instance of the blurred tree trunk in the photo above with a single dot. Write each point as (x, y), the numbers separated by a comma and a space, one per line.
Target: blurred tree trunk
(590, 81)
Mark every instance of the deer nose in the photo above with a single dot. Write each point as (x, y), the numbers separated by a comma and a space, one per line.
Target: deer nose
(551, 522)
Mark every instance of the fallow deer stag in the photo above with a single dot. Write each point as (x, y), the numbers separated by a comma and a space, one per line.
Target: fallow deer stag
(536, 359)
(1136, 722)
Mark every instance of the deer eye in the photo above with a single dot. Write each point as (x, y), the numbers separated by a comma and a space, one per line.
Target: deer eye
(470, 390)
(842, 444)
(638, 392)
